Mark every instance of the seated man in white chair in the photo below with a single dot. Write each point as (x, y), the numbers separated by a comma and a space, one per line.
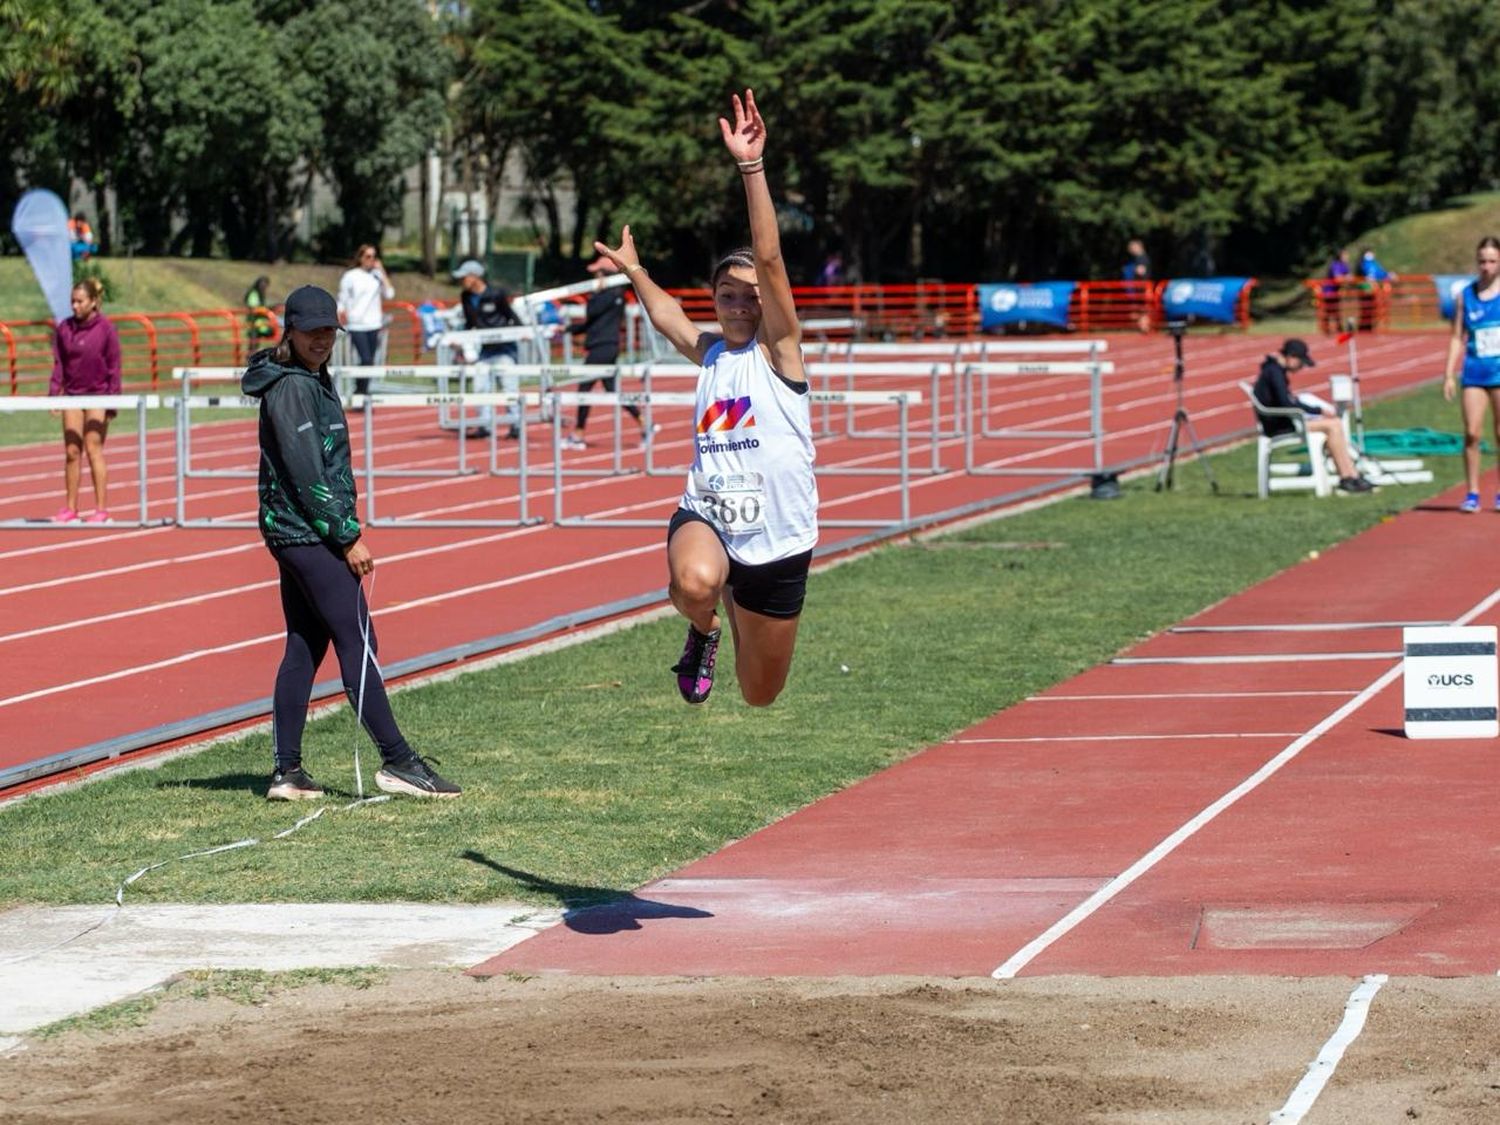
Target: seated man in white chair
(1273, 388)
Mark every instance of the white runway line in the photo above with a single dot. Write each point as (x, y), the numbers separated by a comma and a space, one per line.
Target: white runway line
(1321, 1069)
(1075, 917)
(1181, 695)
(1255, 658)
(1326, 627)
(1118, 737)
(395, 607)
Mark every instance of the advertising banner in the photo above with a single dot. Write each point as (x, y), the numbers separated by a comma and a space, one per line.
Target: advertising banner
(1206, 298)
(1042, 302)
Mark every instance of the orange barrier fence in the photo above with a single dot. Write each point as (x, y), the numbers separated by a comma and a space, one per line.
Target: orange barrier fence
(151, 344)
(1408, 301)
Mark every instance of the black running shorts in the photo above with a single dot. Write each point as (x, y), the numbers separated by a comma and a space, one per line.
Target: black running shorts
(774, 589)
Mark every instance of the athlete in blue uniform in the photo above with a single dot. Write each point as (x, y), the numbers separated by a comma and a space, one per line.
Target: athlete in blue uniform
(1476, 337)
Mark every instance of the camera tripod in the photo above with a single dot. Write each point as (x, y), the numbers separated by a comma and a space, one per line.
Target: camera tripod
(1181, 424)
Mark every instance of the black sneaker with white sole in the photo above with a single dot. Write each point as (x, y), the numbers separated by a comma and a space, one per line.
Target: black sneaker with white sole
(414, 778)
(1355, 484)
(294, 784)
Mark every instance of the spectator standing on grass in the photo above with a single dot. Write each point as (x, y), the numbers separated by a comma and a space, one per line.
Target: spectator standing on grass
(1136, 272)
(86, 361)
(1374, 278)
(488, 306)
(307, 506)
(258, 320)
(1273, 388)
(1337, 275)
(603, 318)
(81, 237)
(361, 311)
(748, 519)
(833, 270)
(1476, 340)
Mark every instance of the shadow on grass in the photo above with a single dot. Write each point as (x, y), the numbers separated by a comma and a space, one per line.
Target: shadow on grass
(255, 784)
(592, 910)
(228, 782)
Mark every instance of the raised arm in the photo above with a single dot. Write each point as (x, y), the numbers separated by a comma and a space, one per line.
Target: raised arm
(661, 307)
(780, 329)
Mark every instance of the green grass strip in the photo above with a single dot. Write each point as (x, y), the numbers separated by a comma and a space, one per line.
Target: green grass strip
(585, 774)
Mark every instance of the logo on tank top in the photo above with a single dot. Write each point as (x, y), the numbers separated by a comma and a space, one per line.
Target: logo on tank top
(727, 414)
(722, 416)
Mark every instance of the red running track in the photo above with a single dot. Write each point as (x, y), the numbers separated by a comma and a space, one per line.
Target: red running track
(1234, 795)
(119, 633)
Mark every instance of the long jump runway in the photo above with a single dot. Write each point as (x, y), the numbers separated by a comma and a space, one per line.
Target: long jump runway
(124, 637)
(1233, 796)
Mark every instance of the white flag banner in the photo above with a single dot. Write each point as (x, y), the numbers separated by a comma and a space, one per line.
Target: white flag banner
(40, 225)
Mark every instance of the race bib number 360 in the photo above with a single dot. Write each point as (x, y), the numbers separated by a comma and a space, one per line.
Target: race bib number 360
(734, 502)
(1487, 342)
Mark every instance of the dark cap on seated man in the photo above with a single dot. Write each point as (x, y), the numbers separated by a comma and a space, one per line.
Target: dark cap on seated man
(1297, 349)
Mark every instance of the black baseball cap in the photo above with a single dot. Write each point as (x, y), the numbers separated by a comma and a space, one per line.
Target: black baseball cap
(310, 307)
(1297, 349)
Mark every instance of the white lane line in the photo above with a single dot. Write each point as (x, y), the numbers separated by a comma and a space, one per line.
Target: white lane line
(1255, 658)
(1326, 627)
(1321, 1069)
(1181, 695)
(399, 607)
(73, 542)
(1120, 737)
(155, 607)
(1065, 925)
(150, 564)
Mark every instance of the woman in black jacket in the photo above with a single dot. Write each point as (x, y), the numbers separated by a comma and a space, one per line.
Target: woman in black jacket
(307, 518)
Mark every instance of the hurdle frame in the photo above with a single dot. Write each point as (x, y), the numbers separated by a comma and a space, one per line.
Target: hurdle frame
(1094, 434)
(520, 401)
(140, 403)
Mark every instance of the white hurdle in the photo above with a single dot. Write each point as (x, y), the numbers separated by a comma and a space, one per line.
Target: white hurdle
(1093, 369)
(459, 402)
(902, 400)
(140, 403)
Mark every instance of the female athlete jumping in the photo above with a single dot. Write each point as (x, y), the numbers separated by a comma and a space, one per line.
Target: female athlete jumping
(748, 519)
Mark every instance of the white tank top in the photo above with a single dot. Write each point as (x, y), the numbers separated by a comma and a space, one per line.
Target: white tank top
(752, 474)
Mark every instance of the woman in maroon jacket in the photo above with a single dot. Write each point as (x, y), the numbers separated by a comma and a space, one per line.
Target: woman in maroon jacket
(87, 363)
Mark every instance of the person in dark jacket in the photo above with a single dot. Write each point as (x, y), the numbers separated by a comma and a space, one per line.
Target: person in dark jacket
(602, 319)
(488, 306)
(1273, 388)
(307, 518)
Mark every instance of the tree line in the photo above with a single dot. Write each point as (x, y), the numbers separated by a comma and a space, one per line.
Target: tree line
(954, 139)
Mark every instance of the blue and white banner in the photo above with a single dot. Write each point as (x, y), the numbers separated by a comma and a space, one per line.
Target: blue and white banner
(40, 225)
(1207, 298)
(1449, 286)
(1043, 302)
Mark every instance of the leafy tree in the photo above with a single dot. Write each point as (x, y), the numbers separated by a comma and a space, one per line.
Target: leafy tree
(220, 129)
(378, 70)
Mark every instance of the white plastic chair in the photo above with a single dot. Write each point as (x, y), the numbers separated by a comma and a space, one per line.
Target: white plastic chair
(1283, 475)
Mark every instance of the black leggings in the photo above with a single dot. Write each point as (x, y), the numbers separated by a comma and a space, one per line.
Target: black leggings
(323, 601)
(366, 346)
(601, 356)
(609, 387)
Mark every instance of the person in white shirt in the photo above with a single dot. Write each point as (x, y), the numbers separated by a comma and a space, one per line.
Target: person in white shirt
(360, 309)
(748, 519)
